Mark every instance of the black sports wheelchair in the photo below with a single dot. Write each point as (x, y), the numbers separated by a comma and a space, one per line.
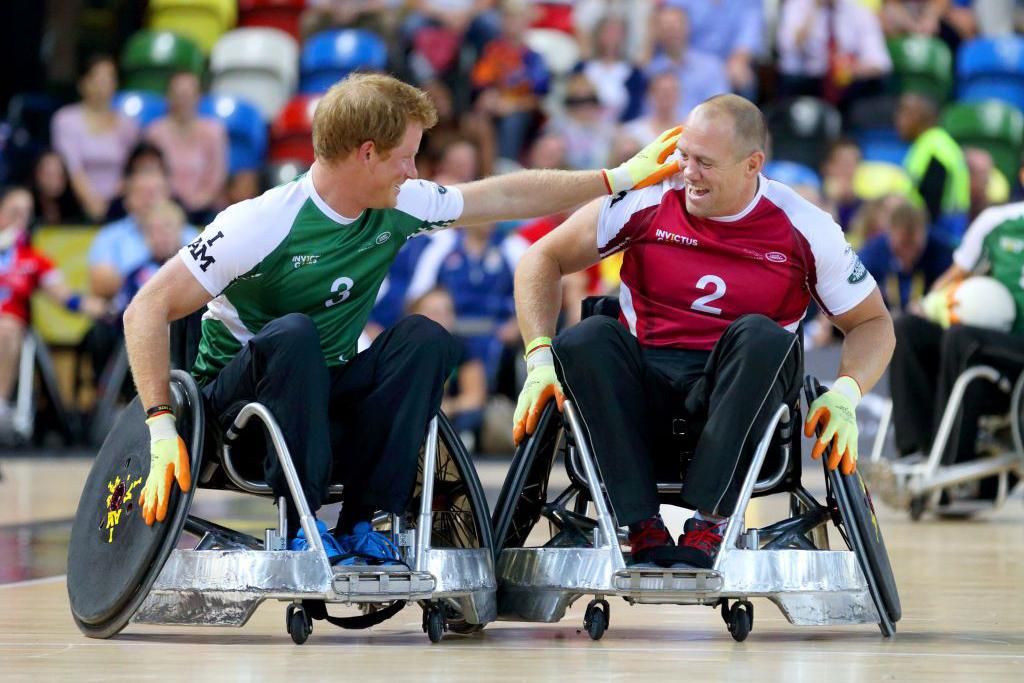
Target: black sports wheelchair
(122, 571)
(789, 562)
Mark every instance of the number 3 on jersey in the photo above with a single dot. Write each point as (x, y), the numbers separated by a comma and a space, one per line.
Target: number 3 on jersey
(342, 289)
(701, 304)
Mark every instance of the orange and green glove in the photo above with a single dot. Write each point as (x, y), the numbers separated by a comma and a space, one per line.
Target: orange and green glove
(168, 460)
(541, 384)
(834, 413)
(647, 167)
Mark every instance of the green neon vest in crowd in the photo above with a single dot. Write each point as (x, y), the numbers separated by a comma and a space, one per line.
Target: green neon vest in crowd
(936, 142)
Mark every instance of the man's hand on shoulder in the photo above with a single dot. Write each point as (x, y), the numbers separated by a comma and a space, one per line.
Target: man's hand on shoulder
(647, 167)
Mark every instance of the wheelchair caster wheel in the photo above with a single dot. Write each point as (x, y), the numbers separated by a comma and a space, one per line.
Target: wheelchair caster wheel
(739, 618)
(300, 625)
(434, 623)
(917, 507)
(596, 618)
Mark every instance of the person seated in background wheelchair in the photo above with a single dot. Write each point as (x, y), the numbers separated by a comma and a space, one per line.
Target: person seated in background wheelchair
(22, 271)
(720, 265)
(962, 322)
(290, 278)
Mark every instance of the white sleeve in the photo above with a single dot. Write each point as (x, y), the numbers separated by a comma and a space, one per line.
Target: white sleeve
(968, 254)
(233, 244)
(434, 206)
(424, 276)
(626, 215)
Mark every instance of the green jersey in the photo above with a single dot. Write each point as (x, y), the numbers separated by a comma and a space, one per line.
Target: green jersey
(286, 251)
(995, 243)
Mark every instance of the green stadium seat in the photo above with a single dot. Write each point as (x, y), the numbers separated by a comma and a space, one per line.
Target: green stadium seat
(203, 21)
(924, 65)
(992, 125)
(151, 57)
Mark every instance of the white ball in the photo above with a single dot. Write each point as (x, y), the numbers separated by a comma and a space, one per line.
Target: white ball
(983, 301)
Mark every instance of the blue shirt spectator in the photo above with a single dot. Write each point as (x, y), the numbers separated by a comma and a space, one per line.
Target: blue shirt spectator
(701, 74)
(121, 245)
(724, 27)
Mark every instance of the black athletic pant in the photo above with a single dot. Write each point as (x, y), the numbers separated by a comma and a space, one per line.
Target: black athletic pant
(627, 396)
(926, 363)
(366, 419)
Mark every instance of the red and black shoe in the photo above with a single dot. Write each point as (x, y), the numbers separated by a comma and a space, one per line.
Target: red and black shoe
(700, 543)
(646, 537)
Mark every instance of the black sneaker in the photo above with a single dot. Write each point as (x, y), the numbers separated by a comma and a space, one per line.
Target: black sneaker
(700, 542)
(646, 537)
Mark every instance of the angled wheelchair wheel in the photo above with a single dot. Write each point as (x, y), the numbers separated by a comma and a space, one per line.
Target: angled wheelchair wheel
(461, 516)
(524, 492)
(848, 495)
(113, 557)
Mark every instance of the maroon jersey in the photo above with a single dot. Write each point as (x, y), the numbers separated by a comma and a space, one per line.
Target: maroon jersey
(22, 270)
(685, 278)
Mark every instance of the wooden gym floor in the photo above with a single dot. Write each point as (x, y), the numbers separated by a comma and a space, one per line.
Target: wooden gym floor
(960, 584)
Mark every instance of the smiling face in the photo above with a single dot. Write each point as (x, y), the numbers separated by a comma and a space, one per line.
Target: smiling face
(388, 170)
(720, 176)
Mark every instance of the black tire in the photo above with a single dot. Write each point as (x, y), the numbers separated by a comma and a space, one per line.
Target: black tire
(434, 623)
(128, 441)
(918, 504)
(595, 622)
(524, 491)
(300, 625)
(740, 622)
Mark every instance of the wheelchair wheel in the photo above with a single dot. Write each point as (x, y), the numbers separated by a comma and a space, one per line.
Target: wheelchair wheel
(524, 492)
(461, 516)
(113, 557)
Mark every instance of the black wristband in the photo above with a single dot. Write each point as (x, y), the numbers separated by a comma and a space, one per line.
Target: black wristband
(162, 408)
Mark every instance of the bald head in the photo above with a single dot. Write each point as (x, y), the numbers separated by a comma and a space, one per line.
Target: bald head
(749, 128)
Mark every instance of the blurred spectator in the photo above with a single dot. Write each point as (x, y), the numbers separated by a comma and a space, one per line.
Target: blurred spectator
(871, 219)
(935, 164)
(476, 265)
(907, 259)
(161, 227)
(52, 193)
(473, 125)
(988, 186)
(620, 85)
(700, 74)
(120, 247)
(638, 16)
(145, 157)
(585, 125)
(511, 79)
(833, 49)
(22, 271)
(321, 15)
(952, 21)
(196, 149)
(459, 163)
(466, 392)
(548, 151)
(241, 186)
(662, 105)
(732, 30)
(838, 171)
(93, 139)
(436, 30)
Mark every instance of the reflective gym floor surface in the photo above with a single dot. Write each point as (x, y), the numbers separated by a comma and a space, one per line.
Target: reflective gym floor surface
(960, 585)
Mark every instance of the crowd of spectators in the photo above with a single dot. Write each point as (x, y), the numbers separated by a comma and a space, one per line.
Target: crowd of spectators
(565, 84)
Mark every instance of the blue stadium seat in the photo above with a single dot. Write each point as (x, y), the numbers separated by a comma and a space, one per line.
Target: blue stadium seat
(992, 68)
(247, 133)
(882, 144)
(329, 56)
(141, 106)
(793, 174)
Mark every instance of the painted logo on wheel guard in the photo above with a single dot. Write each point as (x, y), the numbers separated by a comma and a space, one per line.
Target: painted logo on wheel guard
(121, 492)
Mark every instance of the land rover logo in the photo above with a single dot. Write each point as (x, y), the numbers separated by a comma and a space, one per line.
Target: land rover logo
(383, 237)
(775, 257)
(858, 274)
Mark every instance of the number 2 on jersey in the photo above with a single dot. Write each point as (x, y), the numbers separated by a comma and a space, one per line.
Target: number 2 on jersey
(342, 289)
(701, 304)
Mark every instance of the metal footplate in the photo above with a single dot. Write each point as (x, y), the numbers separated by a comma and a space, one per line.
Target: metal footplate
(656, 585)
(379, 584)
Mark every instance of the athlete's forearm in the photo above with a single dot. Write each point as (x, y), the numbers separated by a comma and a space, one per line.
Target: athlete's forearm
(527, 194)
(867, 350)
(538, 285)
(147, 337)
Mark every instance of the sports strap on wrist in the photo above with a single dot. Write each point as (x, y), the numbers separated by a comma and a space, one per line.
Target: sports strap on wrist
(617, 179)
(160, 408)
(537, 343)
(848, 387)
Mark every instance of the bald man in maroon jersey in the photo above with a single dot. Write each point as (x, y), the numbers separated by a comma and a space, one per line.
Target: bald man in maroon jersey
(719, 267)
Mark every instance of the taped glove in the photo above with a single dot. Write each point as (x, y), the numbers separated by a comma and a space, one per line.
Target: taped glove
(647, 167)
(541, 384)
(168, 460)
(834, 413)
